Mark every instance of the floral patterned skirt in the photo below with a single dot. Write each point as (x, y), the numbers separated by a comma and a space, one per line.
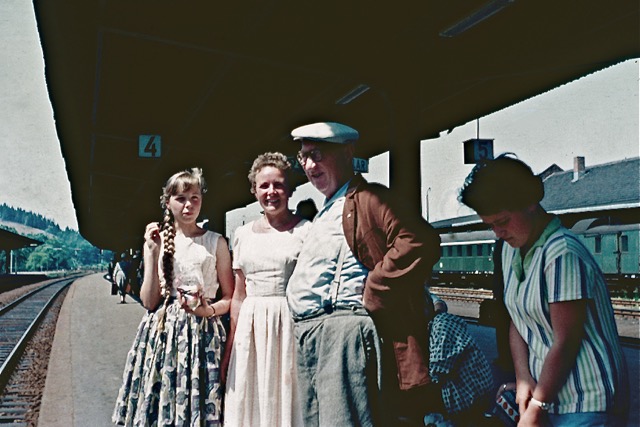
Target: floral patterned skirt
(172, 376)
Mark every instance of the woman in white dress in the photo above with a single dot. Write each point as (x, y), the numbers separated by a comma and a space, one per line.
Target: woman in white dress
(172, 373)
(262, 381)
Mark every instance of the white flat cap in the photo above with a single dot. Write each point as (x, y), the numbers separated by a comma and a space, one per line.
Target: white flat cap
(326, 132)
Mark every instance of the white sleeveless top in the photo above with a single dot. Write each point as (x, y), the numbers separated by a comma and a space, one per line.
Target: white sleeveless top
(194, 263)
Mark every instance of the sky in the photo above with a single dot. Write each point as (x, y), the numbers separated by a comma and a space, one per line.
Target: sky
(32, 171)
(595, 117)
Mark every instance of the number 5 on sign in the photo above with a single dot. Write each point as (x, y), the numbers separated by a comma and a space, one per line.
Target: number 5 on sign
(476, 150)
(149, 146)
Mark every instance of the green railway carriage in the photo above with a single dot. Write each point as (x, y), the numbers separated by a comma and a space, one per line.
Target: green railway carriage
(470, 252)
(615, 248)
(467, 257)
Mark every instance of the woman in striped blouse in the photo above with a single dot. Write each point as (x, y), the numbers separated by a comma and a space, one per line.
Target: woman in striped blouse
(569, 365)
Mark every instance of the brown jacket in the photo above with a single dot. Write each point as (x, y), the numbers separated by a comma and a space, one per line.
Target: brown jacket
(400, 251)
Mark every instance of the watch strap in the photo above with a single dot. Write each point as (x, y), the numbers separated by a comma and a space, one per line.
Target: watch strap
(543, 405)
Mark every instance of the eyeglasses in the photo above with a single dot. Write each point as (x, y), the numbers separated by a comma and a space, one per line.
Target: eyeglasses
(315, 155)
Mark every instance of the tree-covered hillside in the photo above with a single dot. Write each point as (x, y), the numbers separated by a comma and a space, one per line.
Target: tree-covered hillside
(61, 249)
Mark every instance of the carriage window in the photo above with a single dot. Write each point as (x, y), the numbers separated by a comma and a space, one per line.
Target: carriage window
(458, 250)
(598, 242)
(479, 250)
(469, 250)
(624, 243)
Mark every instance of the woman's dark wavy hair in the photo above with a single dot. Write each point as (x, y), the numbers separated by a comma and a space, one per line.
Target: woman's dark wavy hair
(501, 184)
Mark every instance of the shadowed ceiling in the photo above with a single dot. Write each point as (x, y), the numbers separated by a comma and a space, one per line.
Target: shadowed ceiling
(222, 82)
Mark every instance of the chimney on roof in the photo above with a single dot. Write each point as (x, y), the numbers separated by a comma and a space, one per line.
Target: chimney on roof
(578, 168)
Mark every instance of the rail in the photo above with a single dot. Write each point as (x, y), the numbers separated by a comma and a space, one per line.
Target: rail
(621, 307)
(18, 322)
(462, 294)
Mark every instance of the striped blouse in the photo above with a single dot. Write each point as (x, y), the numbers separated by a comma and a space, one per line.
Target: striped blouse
(560, 268)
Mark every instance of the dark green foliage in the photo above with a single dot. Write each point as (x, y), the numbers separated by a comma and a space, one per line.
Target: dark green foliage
(20, 216)
(61, 249)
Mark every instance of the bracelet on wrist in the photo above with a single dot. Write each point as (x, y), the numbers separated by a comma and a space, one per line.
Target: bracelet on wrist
(213, 313)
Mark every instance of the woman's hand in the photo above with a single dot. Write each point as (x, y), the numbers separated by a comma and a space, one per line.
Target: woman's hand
(524, 393)
(530, 415)
(150, 290)
(204, 309)
(533, 416)
(152, 238)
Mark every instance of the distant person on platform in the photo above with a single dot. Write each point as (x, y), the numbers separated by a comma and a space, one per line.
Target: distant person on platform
(363, 261)
(135, 274)
(569, 366)
(306, 209)
(120, 275)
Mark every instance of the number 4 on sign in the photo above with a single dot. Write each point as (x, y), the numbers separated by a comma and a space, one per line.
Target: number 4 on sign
(149, 146)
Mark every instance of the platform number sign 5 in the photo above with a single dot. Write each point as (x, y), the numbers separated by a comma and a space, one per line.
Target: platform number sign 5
(476, 150)
(150, 146)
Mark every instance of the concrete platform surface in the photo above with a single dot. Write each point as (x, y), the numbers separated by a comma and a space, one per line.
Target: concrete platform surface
(93, 335)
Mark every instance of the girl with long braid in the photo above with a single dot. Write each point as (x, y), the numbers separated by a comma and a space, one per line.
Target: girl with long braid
(172, 372)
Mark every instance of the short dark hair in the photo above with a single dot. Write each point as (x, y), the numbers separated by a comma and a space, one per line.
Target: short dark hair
(501, 184)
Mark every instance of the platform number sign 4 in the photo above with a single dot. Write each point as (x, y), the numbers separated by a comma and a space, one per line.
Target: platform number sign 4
(150, 146)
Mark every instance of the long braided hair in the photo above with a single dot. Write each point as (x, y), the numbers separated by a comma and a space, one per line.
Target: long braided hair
(177, 183)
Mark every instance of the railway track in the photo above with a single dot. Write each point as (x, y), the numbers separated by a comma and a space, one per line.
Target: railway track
(621, 307)
(477, 295)
(19, 321)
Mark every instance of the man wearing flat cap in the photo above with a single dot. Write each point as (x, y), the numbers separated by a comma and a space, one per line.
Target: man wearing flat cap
(356, 295)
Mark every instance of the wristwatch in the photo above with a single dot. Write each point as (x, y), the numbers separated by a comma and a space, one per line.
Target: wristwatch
(543, 405)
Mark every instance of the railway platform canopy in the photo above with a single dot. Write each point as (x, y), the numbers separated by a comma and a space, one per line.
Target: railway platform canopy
(142, 89)
(10, 240)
